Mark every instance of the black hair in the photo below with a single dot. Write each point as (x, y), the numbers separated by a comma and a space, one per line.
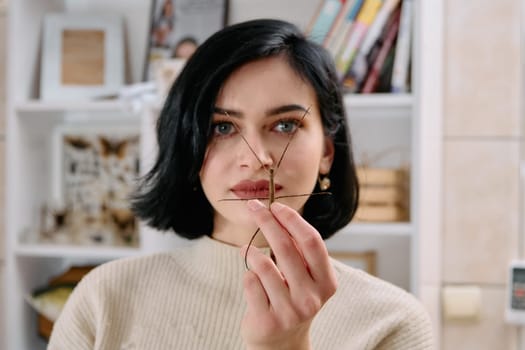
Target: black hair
(170, 197)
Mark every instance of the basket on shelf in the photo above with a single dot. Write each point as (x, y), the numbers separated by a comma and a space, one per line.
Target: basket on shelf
(54, 296)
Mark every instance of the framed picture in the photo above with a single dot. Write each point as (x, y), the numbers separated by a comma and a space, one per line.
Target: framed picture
(82, 56)
(365, 261)
(95, 170)
(166, 71)
(177, 27)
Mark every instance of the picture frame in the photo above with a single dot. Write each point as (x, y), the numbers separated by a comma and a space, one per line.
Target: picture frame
(94, 172)
(365, 260)
(82, 56)
(178, 27)
(166, 71)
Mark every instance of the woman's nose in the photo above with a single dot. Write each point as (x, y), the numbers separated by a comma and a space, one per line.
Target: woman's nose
(255, 152)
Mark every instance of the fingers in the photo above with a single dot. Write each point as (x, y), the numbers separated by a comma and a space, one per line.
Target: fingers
(289, 258)
(284, 296)
(270, 279)
(299, 249)
(254, 294)
(308, 241)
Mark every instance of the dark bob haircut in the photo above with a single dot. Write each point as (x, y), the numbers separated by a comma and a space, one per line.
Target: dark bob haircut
(170, 197)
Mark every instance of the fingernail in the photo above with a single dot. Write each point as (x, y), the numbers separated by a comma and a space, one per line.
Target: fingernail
(255, 204)
(276, 206)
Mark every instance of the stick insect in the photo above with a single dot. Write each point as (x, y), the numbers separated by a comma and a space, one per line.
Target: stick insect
(271, 176)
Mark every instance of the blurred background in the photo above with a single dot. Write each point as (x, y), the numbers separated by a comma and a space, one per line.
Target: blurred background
(433, 92)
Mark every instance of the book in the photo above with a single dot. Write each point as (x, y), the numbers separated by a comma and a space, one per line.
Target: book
(344, 31)
(385, 76)
(401, 71)
(360, 64)
(324, 20)
(360, 27)
(373, 75)
(338, 22)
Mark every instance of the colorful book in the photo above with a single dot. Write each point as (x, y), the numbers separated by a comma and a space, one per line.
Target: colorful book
(324, 20)
(353, 84)
(338, 22)
(360, 66)
(337, 40)
(385, 76)
(360, 27)
(375, 69)
(401, 69)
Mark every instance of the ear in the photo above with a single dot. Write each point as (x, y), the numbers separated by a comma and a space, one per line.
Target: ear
(328, 156)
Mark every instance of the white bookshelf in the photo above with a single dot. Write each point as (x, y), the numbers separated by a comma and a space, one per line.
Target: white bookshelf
(73, 251)
(377, 121)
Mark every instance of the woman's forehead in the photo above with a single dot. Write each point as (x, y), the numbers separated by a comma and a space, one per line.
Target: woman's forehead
(265, 83)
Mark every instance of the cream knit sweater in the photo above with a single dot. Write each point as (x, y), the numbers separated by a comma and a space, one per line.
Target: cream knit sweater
(192, 298)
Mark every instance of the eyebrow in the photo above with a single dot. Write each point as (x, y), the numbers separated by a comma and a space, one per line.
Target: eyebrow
(269, 112)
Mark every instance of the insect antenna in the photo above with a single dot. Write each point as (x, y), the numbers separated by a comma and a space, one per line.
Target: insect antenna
(271, 172)
(290, 139)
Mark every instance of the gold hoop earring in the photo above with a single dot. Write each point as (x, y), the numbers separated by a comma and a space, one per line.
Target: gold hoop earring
(324, 183)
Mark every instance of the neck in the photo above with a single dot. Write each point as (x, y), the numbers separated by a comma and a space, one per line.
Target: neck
(237, 235)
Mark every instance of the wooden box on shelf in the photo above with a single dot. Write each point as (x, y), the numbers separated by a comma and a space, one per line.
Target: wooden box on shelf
(384, 195)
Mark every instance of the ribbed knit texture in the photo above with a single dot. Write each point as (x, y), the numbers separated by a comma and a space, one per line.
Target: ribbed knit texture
(192, 298)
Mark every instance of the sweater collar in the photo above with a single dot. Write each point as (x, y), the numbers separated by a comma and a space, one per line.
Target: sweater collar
(217, 259)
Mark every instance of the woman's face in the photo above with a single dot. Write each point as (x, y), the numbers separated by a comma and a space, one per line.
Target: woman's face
(258, 109)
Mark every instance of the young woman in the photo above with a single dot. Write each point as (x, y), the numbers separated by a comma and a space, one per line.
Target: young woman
(256, 107)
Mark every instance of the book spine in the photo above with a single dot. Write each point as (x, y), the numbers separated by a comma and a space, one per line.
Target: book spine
(359, 29)
(373, 75)
(402, 55)
(378, 25)
(325, 19)
(338, 22)
(344, 32)
(316, 14)
(374, 37)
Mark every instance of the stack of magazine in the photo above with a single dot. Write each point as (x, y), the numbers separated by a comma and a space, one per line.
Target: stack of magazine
(370, 41)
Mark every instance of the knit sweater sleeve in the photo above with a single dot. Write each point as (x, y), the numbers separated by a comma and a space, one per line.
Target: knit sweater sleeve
(414, 332)
(369, 313)
(75, 328)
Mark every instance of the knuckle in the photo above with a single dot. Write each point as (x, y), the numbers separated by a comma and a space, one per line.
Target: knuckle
(285, 243)
(313, 242)
(330, 288)
(309, 305)
(250, 280)
(264, 266)
(269, 328)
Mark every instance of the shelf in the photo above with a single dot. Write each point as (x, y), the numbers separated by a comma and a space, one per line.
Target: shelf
(379, 229)
(70, 251)
(34, 106)
(103, 111)
(379, 105)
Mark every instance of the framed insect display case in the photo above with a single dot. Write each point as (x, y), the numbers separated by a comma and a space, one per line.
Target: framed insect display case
(95, 170)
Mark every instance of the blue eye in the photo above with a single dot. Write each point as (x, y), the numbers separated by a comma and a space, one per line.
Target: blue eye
(286, 126)
(223, 128)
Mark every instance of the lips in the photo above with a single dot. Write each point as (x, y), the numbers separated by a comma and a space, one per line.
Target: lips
(253, 189)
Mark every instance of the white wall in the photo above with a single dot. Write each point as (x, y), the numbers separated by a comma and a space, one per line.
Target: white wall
(3, 36)
(299, 12)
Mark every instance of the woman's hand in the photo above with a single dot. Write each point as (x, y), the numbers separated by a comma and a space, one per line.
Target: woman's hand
(284, 297)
